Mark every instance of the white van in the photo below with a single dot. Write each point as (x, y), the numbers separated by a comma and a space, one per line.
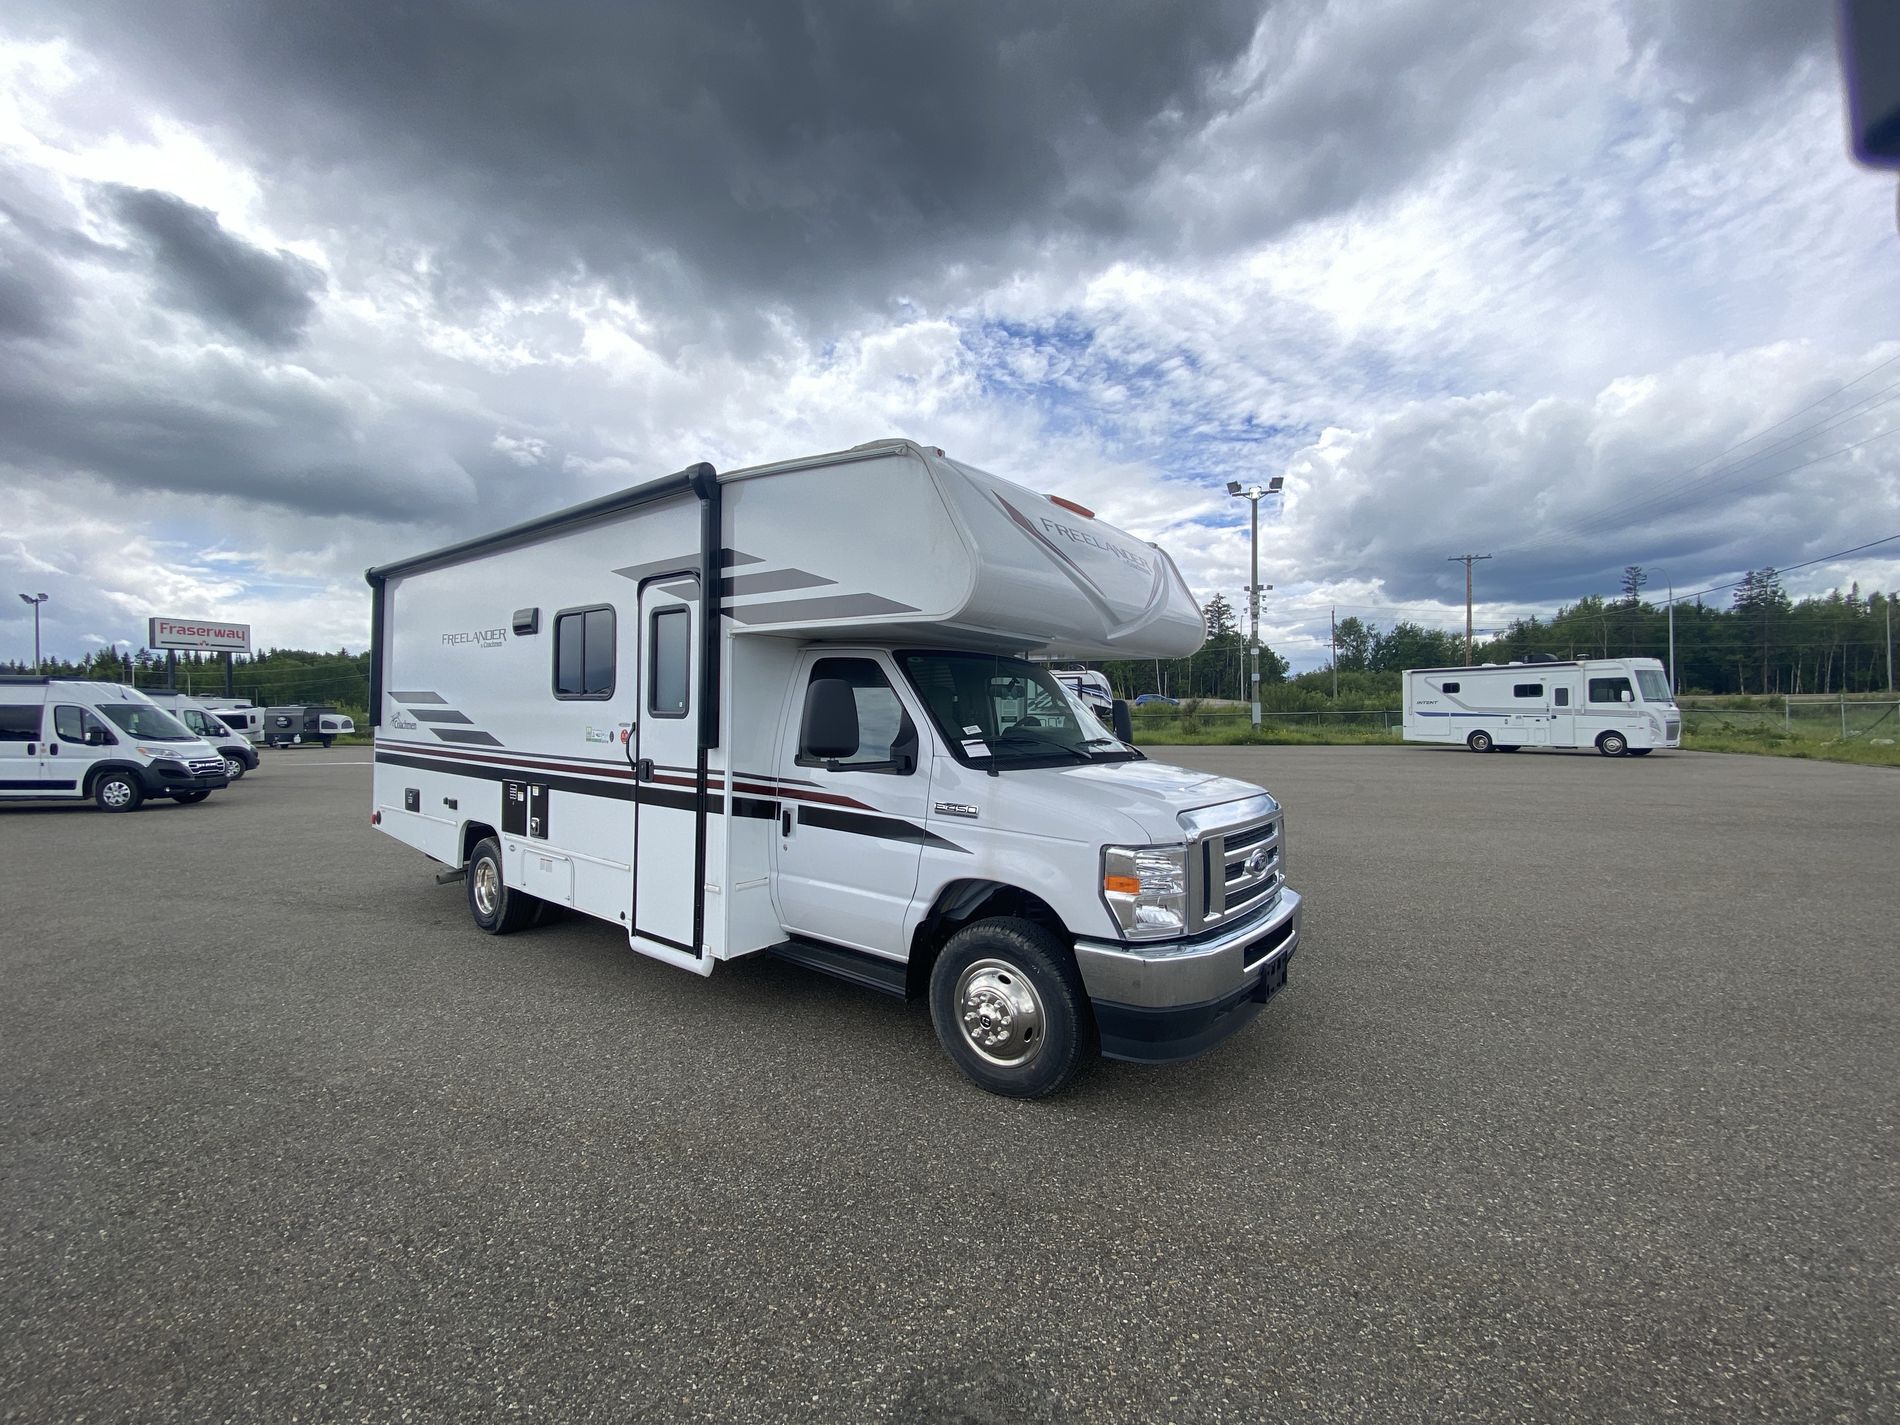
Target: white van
(238, 715)
(1616, 705)
(852, 763)
(236, 750)
(71, 738)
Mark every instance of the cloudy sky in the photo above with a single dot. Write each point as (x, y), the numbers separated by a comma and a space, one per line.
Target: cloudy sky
(290, 289)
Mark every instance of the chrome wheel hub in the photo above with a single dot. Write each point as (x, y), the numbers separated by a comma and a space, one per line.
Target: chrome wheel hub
(999, 1013)
(233, 768)
(117, 794)
(487, 887)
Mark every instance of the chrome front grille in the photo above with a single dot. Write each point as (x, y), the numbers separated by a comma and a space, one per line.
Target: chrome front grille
(1236, 861)
(204, 766)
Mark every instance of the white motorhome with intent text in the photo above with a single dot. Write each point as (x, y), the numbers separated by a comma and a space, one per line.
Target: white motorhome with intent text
(792, 710)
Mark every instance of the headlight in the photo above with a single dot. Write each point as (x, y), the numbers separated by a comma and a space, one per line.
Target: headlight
(1145, 888)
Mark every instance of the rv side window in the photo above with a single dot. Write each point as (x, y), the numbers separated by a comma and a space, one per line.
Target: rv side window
(1561, 696)
(883, 725)
(584, 653)
(670, 663)
(1527, 690)
(20, 723)
(1447, 687)
(1609, 690)
(78, 725)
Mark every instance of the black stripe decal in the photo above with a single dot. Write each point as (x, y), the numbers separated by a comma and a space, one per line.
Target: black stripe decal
(772, 581)
(830, 606)
(36, 785)
(434, 698)
(443, 715)
(886, 828)
(455, 734)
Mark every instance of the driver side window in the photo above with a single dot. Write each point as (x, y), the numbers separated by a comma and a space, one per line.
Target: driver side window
(884, 728)
(73, 724)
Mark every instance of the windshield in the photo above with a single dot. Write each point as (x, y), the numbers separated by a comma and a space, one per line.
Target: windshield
(147, 723)
(1655, 687)
(995, 711)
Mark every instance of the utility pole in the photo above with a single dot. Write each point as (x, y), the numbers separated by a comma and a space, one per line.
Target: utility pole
(1252, 495)
(36, 600)
(1335, 653)
(1468, 560)
(1890, 643)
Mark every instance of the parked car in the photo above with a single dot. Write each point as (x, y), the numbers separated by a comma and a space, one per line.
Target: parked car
(1162, 698)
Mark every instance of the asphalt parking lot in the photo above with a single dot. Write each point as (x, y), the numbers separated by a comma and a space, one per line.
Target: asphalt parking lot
(1580, 1105)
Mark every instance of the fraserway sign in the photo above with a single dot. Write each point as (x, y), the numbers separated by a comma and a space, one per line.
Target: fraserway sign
(197, 633)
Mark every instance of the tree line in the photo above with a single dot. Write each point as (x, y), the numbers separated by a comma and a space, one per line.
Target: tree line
(275, 677)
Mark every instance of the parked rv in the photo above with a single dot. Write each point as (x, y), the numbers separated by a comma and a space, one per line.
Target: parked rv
(851, 763)
(74, 738)
(1617, 705)
(296, 725)
(239, 715)
(1092, 687)
(236, 750)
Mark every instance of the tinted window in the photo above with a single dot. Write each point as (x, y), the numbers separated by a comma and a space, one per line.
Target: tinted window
(1528, 690)
(669, 665)
(882, 721)
(584, 654)
(1609, 690)
(20, 724)
(1562, 697)
(1448, 688)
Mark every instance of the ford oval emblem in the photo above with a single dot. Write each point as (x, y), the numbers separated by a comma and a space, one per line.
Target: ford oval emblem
(1257, 863)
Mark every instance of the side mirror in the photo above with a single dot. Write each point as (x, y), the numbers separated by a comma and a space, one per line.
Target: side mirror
(95, 737)
(1122, 720)
(829, 728)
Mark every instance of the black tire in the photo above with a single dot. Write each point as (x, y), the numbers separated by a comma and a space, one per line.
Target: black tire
(496, 907)
(326, 741)
(1479, 741)
(186, 799)
(234, 767)
(1641, 751)
(1510, 747)
(118, 791)
(1016, 982)
(1613, 744)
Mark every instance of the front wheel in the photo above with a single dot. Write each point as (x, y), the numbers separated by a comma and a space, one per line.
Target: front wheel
(188, 798)
(233, 768)
(1479, 741)
(118, 791)
(1613, 744)
(496, 907)
(1009, 1008)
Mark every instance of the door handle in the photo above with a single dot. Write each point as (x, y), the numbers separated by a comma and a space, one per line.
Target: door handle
(785, 821)
(31, 750)
(643, 770)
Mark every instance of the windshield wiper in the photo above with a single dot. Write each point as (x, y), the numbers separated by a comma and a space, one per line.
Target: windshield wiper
(1040, 744)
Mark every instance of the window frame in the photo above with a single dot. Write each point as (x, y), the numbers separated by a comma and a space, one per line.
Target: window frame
(1560, 697)
(86, 715)
(1527, 690)
(1453, 686)
(613, 639)
(1629, 686)
(39, 727)
(653, 656)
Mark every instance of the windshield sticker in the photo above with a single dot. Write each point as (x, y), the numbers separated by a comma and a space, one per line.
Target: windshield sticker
(972, 732)
(976, 747)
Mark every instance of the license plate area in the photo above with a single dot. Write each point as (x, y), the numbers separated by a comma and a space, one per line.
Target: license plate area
(1272, 979)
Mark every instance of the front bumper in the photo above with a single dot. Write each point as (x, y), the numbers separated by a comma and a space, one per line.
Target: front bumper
(163, 781)
(1164, 1002)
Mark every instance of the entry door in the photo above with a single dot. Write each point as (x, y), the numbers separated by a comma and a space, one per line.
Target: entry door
(665, 755)
(1563, 714)
(850, 831)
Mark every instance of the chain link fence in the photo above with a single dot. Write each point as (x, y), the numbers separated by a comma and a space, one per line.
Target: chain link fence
(1816, 719)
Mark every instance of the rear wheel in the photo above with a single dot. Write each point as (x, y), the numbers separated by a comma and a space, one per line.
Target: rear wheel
(1009, 1008)
(327, 741)
(1613, 744)
(118, 791)
(496, 908)
(188, 798)
(1479, 741)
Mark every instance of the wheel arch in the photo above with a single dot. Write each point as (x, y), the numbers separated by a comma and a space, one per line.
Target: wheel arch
(960, 903)
(99, 769)
(473, 833)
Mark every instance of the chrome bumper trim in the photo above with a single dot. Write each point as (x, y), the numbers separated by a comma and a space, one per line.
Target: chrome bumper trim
(1169, 973)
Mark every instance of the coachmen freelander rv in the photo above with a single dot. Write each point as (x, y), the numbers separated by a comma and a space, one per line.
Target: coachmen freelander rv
(1616, 705)
(790, 710)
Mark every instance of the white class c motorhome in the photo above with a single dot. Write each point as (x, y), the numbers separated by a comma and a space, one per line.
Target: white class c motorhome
(74, 738)
(1617, 705)
(789, 710)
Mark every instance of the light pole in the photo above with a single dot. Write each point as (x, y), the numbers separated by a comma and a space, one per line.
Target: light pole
(1669, 583)
(1252, 495)
(36, 600)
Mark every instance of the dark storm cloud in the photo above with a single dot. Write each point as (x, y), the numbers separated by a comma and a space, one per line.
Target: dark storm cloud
(788, 148)
(201, 269)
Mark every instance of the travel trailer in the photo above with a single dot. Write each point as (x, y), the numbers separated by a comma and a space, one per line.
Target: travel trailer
(236, 750)
(72, 738)
(1617, 705)
(1091, 687)
(791, 710)
(301, 724)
